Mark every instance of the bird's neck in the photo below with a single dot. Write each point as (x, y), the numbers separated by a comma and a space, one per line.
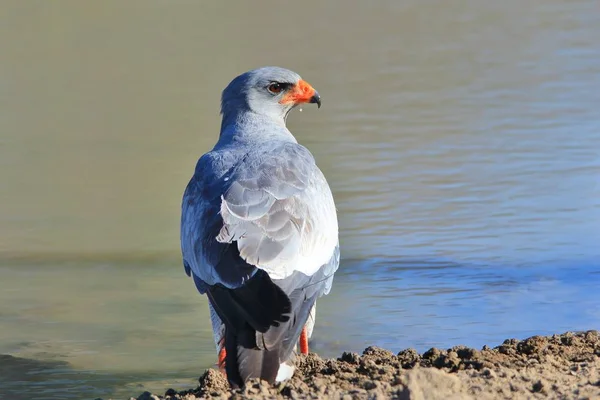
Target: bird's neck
(248, 126)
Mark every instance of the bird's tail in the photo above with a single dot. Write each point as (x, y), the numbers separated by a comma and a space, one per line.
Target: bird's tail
(251, 314)
(243, 363)
(263, 322)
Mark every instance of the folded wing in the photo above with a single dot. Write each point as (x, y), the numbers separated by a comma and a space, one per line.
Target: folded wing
(274, 205)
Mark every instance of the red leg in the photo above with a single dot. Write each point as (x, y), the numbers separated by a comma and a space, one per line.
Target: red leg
(304, 341)
(222, 356)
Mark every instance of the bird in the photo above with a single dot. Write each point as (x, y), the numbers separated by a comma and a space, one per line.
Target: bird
(259, 229)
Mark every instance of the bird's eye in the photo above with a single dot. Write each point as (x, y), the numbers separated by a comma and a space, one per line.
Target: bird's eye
(275, 88)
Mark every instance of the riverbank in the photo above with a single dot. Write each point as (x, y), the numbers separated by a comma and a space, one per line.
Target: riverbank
(563, 366)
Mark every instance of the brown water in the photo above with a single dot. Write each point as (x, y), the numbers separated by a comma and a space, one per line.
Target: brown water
(461, 140)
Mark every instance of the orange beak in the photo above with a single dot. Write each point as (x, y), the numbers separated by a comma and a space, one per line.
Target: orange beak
(302, 92)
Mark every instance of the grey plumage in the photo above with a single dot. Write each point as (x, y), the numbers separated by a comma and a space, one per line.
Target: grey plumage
(259, 226)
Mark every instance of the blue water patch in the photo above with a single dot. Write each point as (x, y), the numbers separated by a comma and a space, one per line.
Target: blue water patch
(440, 304)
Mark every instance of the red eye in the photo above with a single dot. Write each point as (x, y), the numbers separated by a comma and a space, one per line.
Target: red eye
(275, 88)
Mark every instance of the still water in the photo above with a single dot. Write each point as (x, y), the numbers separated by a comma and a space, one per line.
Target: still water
(461, 140)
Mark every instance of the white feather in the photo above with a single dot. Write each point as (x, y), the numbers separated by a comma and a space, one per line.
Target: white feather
(285, 372)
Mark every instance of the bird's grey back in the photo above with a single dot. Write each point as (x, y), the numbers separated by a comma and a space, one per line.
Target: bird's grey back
(284, 169)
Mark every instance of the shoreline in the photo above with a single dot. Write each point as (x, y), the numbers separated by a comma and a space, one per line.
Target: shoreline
(565, 366)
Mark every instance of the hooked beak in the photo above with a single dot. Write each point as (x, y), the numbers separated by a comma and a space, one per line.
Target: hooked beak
(316, 98)
(302, 92)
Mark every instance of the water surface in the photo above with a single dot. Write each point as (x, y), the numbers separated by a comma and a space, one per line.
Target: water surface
(461, 140)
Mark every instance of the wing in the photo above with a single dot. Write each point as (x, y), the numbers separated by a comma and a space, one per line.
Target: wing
(280, 212)
(203, 257)
(272, 210)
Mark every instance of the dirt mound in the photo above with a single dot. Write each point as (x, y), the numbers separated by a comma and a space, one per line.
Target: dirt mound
(560, 366)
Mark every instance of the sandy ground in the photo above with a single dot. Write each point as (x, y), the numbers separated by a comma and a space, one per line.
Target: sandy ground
(559, 367)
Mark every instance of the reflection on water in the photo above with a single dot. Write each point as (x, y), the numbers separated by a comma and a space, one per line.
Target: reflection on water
(463, 135)
(149, 329)
(429, 304)
(28, 379)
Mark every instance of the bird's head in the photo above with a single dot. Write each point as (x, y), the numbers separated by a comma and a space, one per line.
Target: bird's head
(268, 91)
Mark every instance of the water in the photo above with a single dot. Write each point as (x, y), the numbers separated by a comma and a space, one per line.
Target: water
(461, 140)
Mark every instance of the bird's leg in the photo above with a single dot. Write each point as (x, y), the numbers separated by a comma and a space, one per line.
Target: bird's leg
(304, 341)
(222, 356)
